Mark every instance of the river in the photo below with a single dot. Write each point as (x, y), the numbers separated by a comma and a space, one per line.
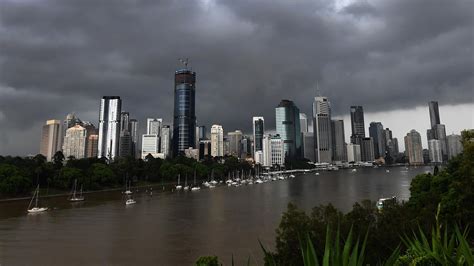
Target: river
(175, 228)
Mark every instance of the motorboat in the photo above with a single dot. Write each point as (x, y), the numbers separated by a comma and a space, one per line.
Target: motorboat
(130, 202)
(381, 202)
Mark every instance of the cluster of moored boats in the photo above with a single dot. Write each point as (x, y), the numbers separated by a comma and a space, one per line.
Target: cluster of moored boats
(236, 182)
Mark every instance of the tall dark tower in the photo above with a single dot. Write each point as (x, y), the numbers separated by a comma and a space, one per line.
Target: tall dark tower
(434, 114)
(357, 124)
(184, 122)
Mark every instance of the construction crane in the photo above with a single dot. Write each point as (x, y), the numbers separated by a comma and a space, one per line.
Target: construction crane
(184, 62)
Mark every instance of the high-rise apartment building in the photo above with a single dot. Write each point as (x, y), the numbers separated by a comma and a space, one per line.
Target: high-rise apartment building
(51, 139)
(184, 122)
(338, 141)
(357, 124)
(413, 148)
(288, 128)
(217, 141)
(109, 127)
(322, 130)
(75, 142)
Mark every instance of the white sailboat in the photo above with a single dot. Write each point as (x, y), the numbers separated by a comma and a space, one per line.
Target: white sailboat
(186, 187)
(74, 197)
(178, 186)
(36, 209)
(128, 188)
(195, 187)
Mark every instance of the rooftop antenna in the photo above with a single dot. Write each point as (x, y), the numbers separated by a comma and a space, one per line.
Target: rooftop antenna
(184, 61)
(318, 91)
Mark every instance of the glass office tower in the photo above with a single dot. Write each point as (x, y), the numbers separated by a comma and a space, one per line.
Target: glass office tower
(184, 122)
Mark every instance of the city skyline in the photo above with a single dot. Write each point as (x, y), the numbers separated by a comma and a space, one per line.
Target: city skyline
(355, 55)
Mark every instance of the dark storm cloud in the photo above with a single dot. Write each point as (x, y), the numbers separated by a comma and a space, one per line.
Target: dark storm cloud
(61, 56)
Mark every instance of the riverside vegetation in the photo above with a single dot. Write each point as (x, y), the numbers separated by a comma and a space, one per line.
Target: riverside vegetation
(19, 176)
(431, 228)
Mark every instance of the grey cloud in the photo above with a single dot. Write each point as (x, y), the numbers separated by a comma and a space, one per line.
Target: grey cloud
(61, 56)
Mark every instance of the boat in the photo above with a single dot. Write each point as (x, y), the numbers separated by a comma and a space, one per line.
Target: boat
(178, 186)
(35, 197)
(281, 177)
(354, 170)
(381, 202)
(128, 190)
(74, 197)
(186, 187)
(292, 176)
(387, 171)
(195, 187)
(317, 173)
(130, 201)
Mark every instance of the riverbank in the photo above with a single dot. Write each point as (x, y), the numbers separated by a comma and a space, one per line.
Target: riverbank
(67, 193)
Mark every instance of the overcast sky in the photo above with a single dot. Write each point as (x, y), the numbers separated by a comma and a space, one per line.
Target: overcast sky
(392, 57)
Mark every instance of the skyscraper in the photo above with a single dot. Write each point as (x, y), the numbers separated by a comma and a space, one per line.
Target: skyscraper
(273, 151)
(413, 148)
(454, 145)
(357, 124)
(92, 145)
(109, 127)
(134, 135)
(437, 130)
(51, 138)
(367, 149)
(377, 133)
(288, 128)
(338, 143)
(184, 123)
(202, 132)
(258, 131)
(75, 142)
(434, 113)
(308, 145)
(322, 130)
(165, 148)
(154, 126)
(125, 143)
(434, 147)
(304, 123)
(217, 141)
(353, 153)
(235, 143)
(151, 141)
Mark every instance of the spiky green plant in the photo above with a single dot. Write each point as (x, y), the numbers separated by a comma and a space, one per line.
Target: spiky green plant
(444, 250)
